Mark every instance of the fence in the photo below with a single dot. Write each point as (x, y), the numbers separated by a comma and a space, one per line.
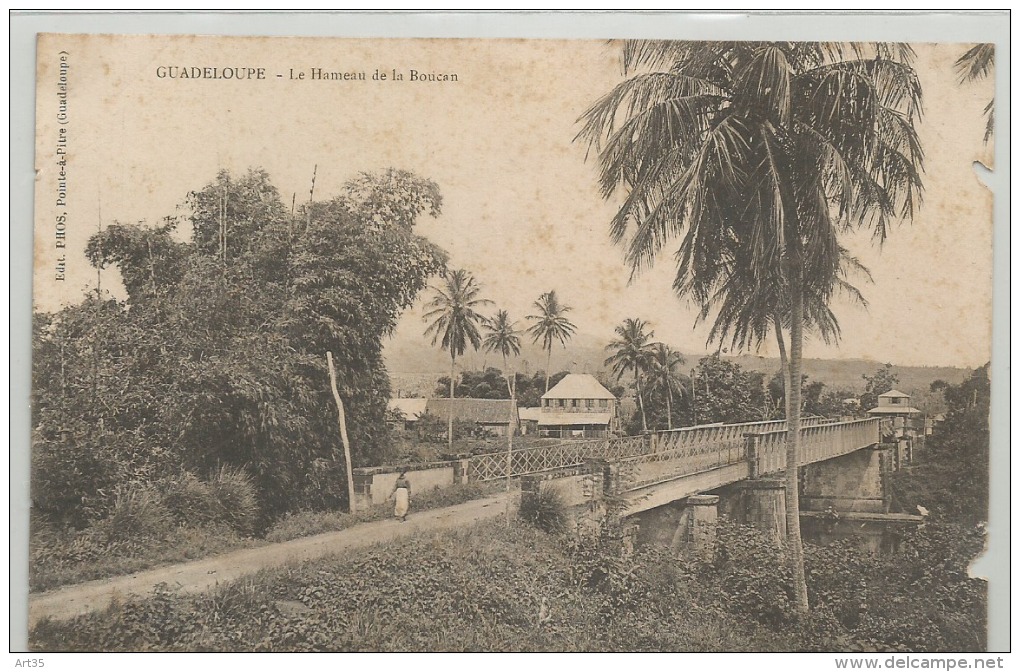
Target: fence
(492, 466)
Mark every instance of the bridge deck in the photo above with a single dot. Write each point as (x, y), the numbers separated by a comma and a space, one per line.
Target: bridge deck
(694, 464)
(665, 466)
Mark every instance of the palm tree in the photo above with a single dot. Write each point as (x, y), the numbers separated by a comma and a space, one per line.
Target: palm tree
(664, 362)
(550, 325)
(454, 320)
(631, 352)
(977, 63)
(746, 310)
(757, 156)
(503, 337)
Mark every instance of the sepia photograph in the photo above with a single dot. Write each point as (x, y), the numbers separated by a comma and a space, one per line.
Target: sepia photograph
(510, 345)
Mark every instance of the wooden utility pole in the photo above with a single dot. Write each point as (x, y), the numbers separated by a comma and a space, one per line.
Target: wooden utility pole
(343, 431)
(511, 384)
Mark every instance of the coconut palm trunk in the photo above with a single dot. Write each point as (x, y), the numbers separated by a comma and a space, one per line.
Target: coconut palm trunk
(669, 405)
(510, 429)
(641, 403)
(795, 547)
(511, 426)
(548, 363)
(784, 366)
(449, 426)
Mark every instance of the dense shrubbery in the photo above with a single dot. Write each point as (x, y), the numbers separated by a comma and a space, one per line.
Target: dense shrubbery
(950, 475)
(546, 510)
(217, 356)
(176, 518)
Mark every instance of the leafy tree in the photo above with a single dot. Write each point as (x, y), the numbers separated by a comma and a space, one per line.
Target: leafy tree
(531, 389)
(877, 383)
(216, 362)
(631, 353)
(227, 214)
(455, 322)
(550, 324)
(811, 396)
(838, 402)
(722, 391)
(950, 476)
(759, 155)
(150, 261)
(487, 384)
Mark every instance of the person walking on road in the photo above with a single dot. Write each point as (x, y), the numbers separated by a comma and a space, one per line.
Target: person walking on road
(401, 496)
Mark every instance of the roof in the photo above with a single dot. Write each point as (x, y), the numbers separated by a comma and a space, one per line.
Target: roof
(894, 393)
(893, 410)
(485, 411)
(579, 386)
(548, 419)
(532, 413)
(410, 407)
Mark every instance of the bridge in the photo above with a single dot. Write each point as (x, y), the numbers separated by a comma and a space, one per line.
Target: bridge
(844, 474)
(844, 468)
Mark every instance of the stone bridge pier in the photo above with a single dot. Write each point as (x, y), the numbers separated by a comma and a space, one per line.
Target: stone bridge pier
(845, 496)
(859, 482)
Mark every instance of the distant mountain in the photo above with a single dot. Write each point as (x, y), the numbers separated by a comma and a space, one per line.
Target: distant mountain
(415, 365)
(849, 373)
(584, 353)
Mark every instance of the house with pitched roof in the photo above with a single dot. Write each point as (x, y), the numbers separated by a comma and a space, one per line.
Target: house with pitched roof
(529, 415)
(578, 406)
(493, 415)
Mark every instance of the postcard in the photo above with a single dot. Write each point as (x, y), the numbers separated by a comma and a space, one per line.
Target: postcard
(481, 344)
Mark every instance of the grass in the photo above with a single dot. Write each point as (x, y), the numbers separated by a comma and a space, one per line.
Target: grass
(499, 587)
(60, 559)
(488, 588)
(67, 559)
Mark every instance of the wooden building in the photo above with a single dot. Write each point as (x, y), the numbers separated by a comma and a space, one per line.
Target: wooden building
(578, 406)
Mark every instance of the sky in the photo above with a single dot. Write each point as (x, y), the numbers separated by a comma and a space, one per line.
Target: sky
(522, 208)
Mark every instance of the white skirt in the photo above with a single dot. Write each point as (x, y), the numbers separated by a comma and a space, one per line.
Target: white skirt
(403, 501)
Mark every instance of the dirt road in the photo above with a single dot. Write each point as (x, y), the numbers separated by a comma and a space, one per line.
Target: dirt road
(200, 575)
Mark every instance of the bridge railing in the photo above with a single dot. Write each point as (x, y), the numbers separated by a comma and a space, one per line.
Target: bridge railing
(712, 447)
(667, 435)
(670, 454)
(702, 452)
(492, 466)
(767, 450)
